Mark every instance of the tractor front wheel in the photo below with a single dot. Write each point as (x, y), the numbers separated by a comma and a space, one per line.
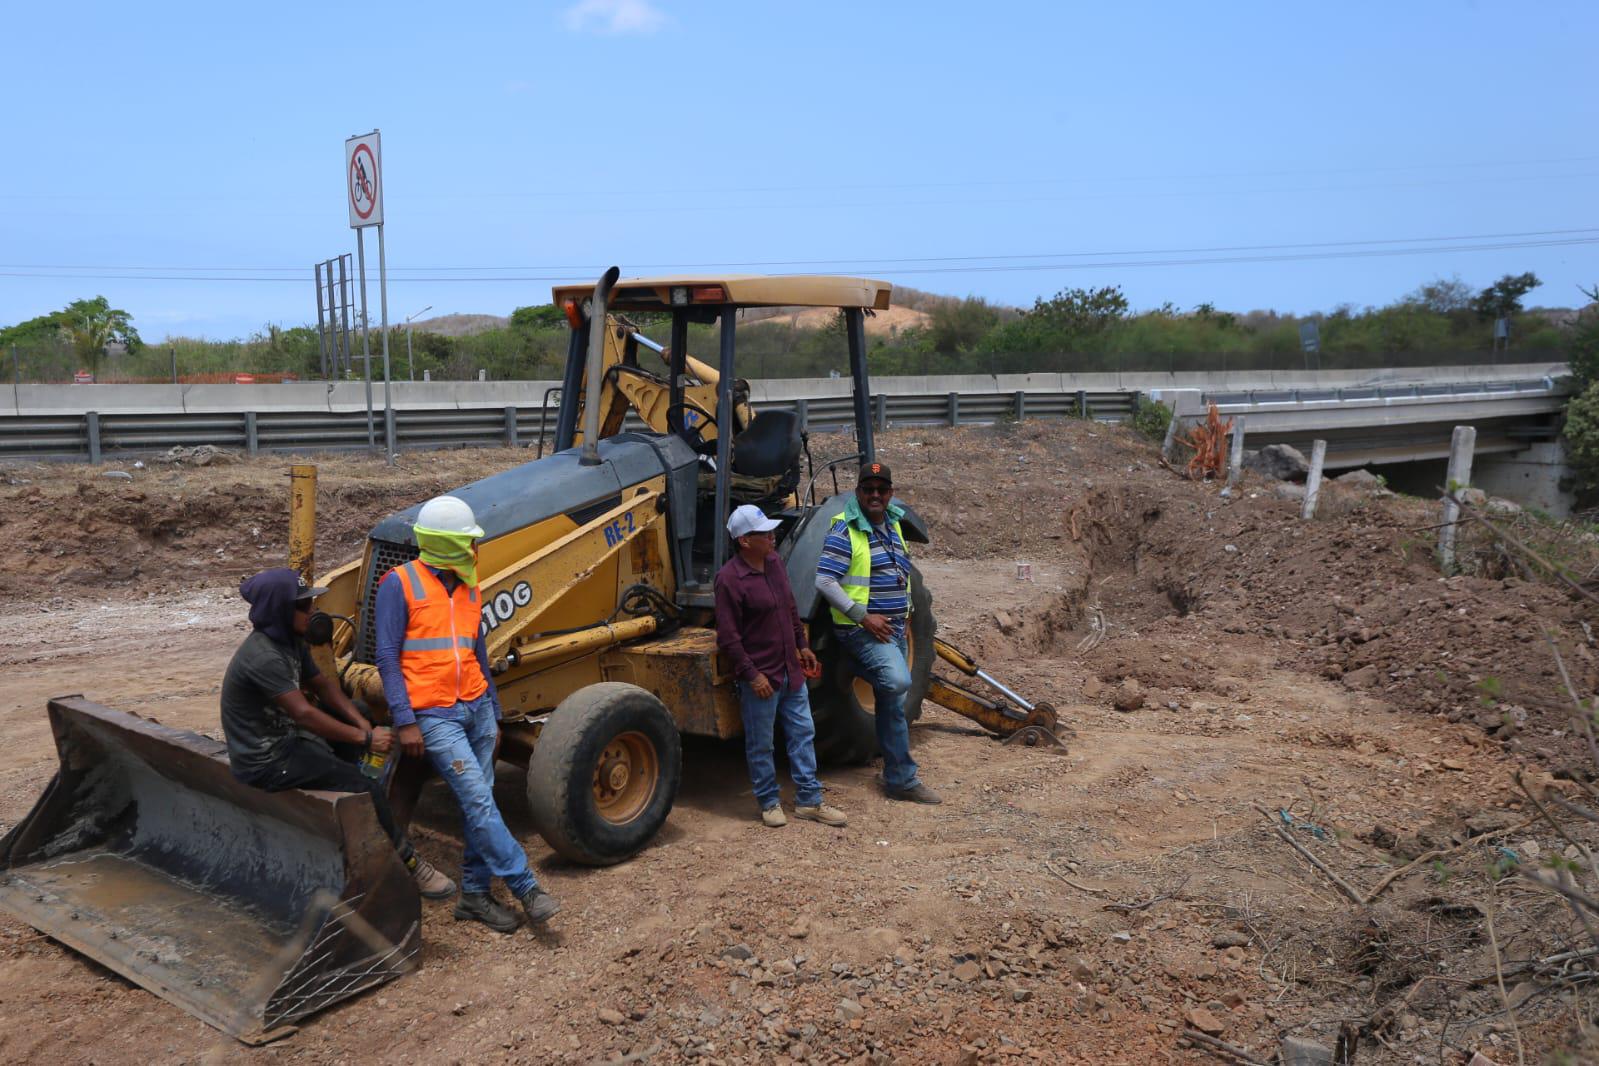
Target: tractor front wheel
(605, 773)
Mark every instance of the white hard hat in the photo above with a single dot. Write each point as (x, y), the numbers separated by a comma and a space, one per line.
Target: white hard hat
(448, 514)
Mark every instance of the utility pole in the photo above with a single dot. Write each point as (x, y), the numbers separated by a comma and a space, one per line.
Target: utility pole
(410, 362)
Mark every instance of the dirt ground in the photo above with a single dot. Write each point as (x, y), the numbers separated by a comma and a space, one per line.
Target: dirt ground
(1207, 656)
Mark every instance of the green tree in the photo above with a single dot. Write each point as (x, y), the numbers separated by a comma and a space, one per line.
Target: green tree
(541, 316)
(93, 324)
(957, 325)
(1582, 437)
(1441, 296)
(1502, 299)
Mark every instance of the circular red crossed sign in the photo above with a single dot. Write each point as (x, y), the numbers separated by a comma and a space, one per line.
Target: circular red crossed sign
(363, 181)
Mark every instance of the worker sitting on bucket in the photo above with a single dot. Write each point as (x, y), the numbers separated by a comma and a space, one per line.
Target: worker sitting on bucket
(434, 662)
(758, 628)
(278, 739)
(864, 574)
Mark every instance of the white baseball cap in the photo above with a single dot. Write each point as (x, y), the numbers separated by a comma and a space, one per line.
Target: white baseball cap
(749, 519)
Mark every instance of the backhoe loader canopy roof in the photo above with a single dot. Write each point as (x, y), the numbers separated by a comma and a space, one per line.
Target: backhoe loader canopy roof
(741, 290)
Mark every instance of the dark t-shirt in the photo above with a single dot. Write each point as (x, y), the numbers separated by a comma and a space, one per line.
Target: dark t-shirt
(256, 728)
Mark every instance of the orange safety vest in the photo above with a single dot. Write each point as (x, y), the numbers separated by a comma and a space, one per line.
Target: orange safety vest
(438, 657)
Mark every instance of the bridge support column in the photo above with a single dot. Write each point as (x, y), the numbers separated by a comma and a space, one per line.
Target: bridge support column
(1536, 476)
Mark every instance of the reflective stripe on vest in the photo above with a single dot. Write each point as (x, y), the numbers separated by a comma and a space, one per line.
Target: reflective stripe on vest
(857, 582)
(438, 657)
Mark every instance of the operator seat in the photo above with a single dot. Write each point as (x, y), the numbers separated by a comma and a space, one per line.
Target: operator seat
(770, 446)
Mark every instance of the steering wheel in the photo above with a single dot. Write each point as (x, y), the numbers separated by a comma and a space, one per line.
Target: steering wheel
(699, 443)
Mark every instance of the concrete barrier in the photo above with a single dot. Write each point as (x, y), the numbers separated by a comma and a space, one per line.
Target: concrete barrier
(350, 396)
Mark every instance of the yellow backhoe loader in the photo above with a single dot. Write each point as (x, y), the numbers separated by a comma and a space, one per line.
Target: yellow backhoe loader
(596, 569)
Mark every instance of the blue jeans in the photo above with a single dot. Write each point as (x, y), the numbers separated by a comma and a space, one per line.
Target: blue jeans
(462, 751)
(799, 732)
(884, 667)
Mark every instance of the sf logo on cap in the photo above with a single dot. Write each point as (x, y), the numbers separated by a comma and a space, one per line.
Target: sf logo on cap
(876, 468)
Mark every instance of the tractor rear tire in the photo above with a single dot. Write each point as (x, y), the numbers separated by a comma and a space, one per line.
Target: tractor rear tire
(842, 706)
(604, 773)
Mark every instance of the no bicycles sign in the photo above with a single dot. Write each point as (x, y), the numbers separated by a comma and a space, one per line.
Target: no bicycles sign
(363, 166)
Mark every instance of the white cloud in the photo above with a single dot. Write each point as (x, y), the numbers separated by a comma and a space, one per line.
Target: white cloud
(614, 16)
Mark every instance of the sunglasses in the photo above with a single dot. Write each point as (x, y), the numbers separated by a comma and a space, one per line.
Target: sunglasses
(876, 490)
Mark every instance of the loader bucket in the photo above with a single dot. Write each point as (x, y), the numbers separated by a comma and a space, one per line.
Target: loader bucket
(248, 909)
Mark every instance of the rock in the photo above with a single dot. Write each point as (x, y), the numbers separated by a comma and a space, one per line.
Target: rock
(118, 475)
(1288, 490)
(967, 971)
(1297, 1051)
(1500, 505)
(1490, 822)
(1092, 687)
(1360, 479)
(738, 951)
(1281, 461)
(1229, 938)
(800, 929)
(1206, 1022)
(610, 1016)
(1473, 497)
(1365, 677)
(1453, 764)
(1129, 695)
(849, 1010)
(1079, 968)
(1005, 621)
(1020, 995)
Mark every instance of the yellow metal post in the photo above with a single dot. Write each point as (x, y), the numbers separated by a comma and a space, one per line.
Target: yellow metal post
(302, 520)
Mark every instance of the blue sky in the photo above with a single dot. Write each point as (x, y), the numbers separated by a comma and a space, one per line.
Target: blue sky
(961, 148)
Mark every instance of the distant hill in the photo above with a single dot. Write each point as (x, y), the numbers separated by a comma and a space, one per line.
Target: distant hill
(459, 325)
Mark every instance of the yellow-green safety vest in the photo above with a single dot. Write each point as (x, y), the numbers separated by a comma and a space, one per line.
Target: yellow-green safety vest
(857, 582)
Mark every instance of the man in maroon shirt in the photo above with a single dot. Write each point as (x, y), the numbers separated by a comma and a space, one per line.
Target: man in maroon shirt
(758, 628)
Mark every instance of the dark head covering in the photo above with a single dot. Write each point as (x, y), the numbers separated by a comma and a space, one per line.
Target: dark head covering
(271, 595)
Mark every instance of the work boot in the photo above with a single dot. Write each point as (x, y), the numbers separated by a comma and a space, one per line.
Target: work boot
(917, 793)
(486, 909)
(429, 881)
(821, 812)
(539, 906)
(774, 817)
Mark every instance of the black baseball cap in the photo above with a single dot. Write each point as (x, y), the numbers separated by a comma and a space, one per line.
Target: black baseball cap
(305, 592)
(874, 472)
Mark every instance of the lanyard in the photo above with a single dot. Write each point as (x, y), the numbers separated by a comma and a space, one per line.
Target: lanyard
(887, 540)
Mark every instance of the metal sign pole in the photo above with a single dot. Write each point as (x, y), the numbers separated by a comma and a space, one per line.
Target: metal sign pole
(366, 343)
(383, 307)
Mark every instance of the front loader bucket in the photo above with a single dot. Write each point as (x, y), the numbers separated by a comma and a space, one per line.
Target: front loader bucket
(248, 909)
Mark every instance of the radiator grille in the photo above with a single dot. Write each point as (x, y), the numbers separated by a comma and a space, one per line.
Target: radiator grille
(386, 555)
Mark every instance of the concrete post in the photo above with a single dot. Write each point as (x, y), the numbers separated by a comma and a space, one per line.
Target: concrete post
(91, 421)
(1169, 446)
(802, 410)
(510, 427)
(1461, 445)
(1235, 461)
(881, 418)
(1019, 402)
(391, 429)
(1318, 456)
(954, 408)
(252, 442)
(1082, 403)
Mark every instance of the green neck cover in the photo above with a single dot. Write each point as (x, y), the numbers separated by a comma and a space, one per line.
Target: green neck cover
(448, 551)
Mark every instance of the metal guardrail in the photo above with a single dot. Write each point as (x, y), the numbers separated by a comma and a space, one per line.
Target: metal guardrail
(1259, 397)
(93, 437)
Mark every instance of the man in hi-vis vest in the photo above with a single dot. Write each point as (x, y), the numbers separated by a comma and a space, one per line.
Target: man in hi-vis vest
(865, 576)
(434, 663)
